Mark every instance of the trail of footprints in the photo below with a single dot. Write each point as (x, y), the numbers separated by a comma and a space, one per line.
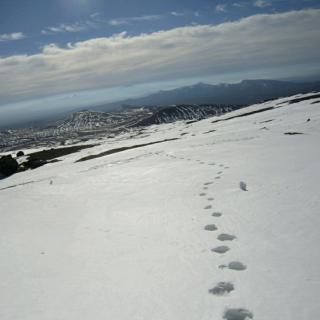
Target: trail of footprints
(224, 288)
(199, 162)
(221, 288)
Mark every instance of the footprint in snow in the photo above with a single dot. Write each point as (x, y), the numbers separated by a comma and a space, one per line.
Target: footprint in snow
(207, 207)
(202, 194)
(222, 288)
(210, 199)
(220, 172)
(243, 186)
(217, 214)
(217, 177)
(205, 188)
(210, 227)
(226, 237)
(208, 183)
(220, 249)
(237, 314)
(234, 265)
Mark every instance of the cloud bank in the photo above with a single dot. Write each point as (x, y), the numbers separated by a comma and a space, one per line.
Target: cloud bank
(260, 41)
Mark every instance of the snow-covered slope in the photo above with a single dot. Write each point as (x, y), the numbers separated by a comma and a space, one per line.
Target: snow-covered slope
(139, 234)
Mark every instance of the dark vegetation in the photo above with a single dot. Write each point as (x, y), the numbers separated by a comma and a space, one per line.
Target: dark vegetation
(314, 96)
(244, 114)
(116, 150)
(50, 154)
(9, 165)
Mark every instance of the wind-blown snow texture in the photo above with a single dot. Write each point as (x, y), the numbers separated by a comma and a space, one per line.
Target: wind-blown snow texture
(165, 232)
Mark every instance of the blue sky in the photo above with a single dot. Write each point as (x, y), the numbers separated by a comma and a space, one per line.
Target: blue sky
(84, 49)
(78, 20)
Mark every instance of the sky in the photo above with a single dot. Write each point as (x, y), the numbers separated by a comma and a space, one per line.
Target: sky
(57, 54)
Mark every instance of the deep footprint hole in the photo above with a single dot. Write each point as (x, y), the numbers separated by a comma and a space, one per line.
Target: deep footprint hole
(222, 288)
(210, 227)
(237, 314)
(221, 249)
(226, 237)
(237, 265)
(217, 214)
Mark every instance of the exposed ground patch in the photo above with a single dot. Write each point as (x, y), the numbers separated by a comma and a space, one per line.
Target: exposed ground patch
(210, 131)
(292, 133)
(266, 121)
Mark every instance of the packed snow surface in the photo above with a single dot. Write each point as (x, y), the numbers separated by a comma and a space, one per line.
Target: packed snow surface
(222, 223)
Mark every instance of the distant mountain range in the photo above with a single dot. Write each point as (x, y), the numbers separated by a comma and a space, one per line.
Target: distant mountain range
(244, 93)
(193, 102)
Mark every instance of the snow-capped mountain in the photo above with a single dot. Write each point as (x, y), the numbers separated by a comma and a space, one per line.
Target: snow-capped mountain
(91, 120)
(186, 112)
(215, 219)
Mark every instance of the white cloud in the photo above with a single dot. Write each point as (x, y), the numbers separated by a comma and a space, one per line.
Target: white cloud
(12, 36)
(264, 41)
(177, 14)
(262, 3)
(129, 20)
(73, 27)
(221, 8)
(239, 4)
